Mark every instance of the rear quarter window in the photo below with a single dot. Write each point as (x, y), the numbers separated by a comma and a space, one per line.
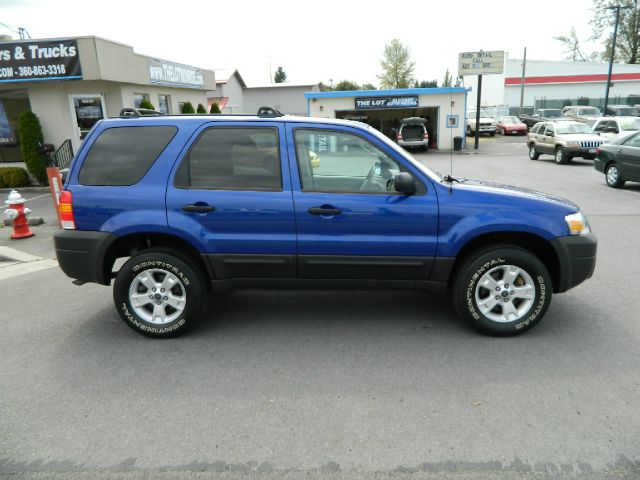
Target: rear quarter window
(122, 155)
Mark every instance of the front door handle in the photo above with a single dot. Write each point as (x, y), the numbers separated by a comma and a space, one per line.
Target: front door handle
(324, 211)
(198, 208)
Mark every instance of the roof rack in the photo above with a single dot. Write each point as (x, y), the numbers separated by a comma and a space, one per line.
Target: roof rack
(269, 112)
(139, 112)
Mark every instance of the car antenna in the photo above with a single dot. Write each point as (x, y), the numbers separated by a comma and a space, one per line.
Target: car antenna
(449, 178)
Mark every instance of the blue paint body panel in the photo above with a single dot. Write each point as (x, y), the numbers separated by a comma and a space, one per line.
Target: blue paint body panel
(436, 224)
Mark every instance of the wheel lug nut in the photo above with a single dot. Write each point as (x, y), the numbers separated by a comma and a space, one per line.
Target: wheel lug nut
(506, 285)
(162, 289)
(497, 297)
(153, 289)
(506, 300)
(497, 289)
(158, 303)
(150, 296)
(165, 298)
(511, 292)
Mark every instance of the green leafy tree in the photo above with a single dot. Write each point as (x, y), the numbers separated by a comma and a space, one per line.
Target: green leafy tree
(280, 76)
(31, 139)
(628, 41)
(187, 107)
(345, 85)
(447, 79)
(397, 67)
(147, 104)
(426, 84)
(368, 86)
(201, 109)
(215, 108)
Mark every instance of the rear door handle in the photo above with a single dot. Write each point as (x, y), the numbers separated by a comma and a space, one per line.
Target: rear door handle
(324, 211)
(198, 208)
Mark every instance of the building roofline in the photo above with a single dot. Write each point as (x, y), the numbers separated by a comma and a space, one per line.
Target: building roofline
(384, 93)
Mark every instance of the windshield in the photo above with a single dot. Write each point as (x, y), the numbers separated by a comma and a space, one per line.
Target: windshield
(551, 113)
(572, 128)
(510, 120)
(593, 111)
(630, 123)
(628, 111)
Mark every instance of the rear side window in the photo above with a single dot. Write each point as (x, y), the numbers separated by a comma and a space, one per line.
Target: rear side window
(233, 158)
(123, 155)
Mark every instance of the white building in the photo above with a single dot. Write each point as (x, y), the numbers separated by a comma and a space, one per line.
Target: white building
(558, 83)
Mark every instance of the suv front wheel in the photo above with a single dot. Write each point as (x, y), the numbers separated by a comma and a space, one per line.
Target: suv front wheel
(158, 294)
(561, 156)
(502, 291)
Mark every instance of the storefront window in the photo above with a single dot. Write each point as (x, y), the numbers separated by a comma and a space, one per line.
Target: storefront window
(164, 102)
(138, 98)
(87, 110)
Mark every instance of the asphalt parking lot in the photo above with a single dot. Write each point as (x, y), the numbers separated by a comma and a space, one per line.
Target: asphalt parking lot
(330, 384)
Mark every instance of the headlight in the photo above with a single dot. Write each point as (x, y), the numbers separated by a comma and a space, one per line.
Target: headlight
(577, 223)
(573, 144)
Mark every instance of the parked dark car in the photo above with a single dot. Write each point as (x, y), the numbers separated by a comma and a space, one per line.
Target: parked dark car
(541, 115)
(619, 161)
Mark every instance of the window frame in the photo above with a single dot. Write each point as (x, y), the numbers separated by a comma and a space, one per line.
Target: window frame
(186, 156)
(421, 187)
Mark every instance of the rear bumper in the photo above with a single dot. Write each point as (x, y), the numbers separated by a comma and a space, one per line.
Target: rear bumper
(413, 143)
(599, 164)
(81, 254)
(577, 258)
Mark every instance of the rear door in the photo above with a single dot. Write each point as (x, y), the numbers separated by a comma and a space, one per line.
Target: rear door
(351, 223)
(231, 195)
(629, 158)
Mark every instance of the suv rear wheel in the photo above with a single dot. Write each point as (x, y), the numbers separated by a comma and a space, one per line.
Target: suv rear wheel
(158, 294)
(502, 291)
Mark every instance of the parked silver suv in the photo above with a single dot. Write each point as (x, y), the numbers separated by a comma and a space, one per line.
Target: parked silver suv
(564, 140)
(413, 133)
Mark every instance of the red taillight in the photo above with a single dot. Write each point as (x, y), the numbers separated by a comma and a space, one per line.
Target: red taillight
(598, 151)
(399, 136)
(66, 210)
(426, 136)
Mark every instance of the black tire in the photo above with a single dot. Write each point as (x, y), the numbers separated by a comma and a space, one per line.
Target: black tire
(466, 290)
(492, 134)
(161, 263)
(613, 176)
(501, 131)
(533, 155)
(561, 156)
(468, 131)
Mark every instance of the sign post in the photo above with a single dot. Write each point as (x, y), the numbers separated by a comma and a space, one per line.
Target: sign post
(480, 63)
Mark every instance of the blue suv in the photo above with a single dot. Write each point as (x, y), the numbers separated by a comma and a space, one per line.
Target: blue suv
(200, 204)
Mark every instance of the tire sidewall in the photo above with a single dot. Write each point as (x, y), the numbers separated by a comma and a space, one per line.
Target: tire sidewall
(560, 156)
(619, 177)
(532, 152)
(465, 290)
(160, 261)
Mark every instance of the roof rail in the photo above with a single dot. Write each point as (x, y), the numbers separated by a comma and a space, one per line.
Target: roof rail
(139, 112)
(269, 112)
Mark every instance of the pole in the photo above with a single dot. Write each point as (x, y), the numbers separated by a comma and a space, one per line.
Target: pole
(477, 133)
(524, 64)
(613, 51)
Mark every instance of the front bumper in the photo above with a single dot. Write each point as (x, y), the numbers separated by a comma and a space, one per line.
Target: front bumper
(577, 259)
(583, 152)
(81, 255)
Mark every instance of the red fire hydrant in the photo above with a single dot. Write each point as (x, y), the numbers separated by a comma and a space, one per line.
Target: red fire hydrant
(17, 213)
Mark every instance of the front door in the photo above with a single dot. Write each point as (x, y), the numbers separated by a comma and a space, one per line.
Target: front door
(231, 192)
(629, 158)
(351, 223)
(86, 110)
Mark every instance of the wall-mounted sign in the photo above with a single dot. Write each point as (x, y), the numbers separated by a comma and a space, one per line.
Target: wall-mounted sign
(453, 121)
(386, 102)
(39, 60)
(162, 72)
(480, 63)
(7, 135)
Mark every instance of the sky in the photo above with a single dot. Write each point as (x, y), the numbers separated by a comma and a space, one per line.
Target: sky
(320, 41)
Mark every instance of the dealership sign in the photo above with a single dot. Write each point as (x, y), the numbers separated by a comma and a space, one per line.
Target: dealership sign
(167, 73)
(39, 60)
(386, 102)
(480, 63)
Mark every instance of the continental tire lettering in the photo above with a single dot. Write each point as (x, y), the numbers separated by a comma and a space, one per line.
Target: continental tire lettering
(474, 278)
(539, 306)
(165, 266)
(147, 328)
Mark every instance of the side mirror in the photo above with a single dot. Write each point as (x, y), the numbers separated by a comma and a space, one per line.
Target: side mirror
(403, 183)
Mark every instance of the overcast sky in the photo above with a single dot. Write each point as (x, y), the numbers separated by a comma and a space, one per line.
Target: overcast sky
(313, 41)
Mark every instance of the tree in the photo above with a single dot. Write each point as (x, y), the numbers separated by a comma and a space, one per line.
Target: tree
(447, 79)
(31, 140)
(572, 46)
(280, 76)
(215, 108)
(628, 41)
(201, 109)
(187, 107)
(368, 86)
(344, 85)
(397, 67)
(147, 104)
(426, 84)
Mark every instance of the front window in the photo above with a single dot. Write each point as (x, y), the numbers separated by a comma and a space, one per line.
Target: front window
(333, 161)
(573, 128)
(633, 141)
(592, 112)
(553, 113)
(510, 120)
